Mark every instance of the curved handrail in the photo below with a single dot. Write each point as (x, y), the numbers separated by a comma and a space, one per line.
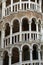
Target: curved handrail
(25, 5)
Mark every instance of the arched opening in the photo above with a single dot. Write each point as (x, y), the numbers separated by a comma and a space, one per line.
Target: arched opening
(14, 1)
(15, 26)
(41, 52)
(35, 52)
(8, 2)
(5, 58)
(39, 26)
(7, 29)
(25, 53)
(33, 25)
(15, 55)
(25, 25)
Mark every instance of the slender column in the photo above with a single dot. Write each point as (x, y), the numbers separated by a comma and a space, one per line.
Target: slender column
(40, 3)
(11, 5)
(30, 30)
(29, 4)
(2, 37)
(20, 57)
(20, 31)
(3, 7)
(20, 5)
(36, 4)
(31, 56)
(9, 59)
(39, 57)
(10, 34)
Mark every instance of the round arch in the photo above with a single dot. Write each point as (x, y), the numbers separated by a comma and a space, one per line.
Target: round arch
(24, 17)
(24, 45)
(34, 44)
(34, 18)
(14, 19)
(13, 47)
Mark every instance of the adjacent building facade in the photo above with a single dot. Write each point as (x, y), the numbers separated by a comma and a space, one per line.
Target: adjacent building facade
(21, 32)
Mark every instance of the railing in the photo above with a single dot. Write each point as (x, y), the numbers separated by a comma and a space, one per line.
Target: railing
(23, 6)
(6, 41)
(16, 63)
(25, 36)
(8, 10)
(35, 62)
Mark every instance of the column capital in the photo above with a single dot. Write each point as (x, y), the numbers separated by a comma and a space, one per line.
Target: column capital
(20, 50)
(30, 22)
(10, 54)
(31, 49)
(11, 25)
(3, 28)
(36, 22)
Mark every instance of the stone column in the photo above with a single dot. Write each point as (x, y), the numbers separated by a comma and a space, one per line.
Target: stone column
(9, 59)
(11, 33)
(30, 30)
(3, 7)
(29, 4)
(39, 57)
(31, 56)
(2, 37)
(20, 57)
(20, 5)
(20, 30)
(11, 5)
